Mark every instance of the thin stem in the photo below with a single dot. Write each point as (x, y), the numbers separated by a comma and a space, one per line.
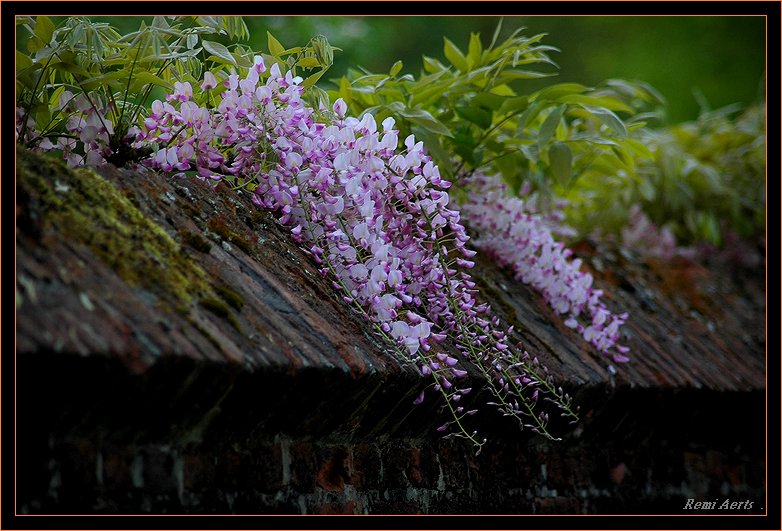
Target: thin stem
(486, 134)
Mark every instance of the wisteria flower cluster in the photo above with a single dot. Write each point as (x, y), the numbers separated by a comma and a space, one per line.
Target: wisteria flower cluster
(87, 130)
(647, 239)
(504, 228)
(376, 219)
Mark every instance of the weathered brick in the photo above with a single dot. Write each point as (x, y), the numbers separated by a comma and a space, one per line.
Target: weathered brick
(146, 405)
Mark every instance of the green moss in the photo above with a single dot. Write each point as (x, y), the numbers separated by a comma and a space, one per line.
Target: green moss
(219, 226)
(209, 337)
(88, 209)
(220, 309)
(230, 296)
(191, 211)
(215, 306)
(258, 217)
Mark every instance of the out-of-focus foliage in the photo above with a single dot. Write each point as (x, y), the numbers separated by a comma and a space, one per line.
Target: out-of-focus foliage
(64, 60)
(590, 145)
(704, 178)
(485, 104)
(470, 117)
(690, 60)
(115, 72)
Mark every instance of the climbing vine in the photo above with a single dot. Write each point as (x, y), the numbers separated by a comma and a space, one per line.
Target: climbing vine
(390, 182)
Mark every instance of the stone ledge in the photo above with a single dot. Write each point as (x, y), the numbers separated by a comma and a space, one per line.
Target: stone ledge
(159, 318)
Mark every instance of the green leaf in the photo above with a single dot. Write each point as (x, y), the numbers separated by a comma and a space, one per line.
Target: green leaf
(426, 120)
(242, 60)
(647, 190)
(549, 126)
(623, 155)
(529, 114)
(511, 74)
(103, 80)
(455, 56)
(323, 50)
(640, 148)
(34, 44)
(430, 94)
(518, 103)
(345, 90)
(218, 50)
(599, 140)
(637, 89)
(275, 48)
(313, 78)
(531, 152)
(318, 98)
(474, 50)
(503, 90)
(44, 29)
(710, 227)
(54, 98)
(513, 168)
(71, 68)
(42, 115)
(148, 78)
(371, 79)
(308, 62)
(464, 144)
(608, 102)
(432, 65)
(291, 51)
(496, 34)
(22, 61)
(490, 101)
(554, 92)
(395, 69)
(236, 28)
(476, 115)
(608, 118)
(213, 23)
(561, 163)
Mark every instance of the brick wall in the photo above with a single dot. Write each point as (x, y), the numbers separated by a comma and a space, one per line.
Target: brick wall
(224, 376)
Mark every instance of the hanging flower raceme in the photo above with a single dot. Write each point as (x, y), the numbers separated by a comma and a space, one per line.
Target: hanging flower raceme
(523, 242)
(375, 218)
(88, 129)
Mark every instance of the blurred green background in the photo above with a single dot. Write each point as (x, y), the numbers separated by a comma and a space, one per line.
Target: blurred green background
(693, 61)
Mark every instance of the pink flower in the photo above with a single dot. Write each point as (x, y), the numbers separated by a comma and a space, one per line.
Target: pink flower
(522, 240)
(258, 64)
(209, 82)
(378, 222)
(340, 108)
(182, 92)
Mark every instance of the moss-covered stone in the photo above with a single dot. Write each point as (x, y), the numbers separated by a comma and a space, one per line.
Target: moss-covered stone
(230, 296)
(90, 210)
(196, 241)
(220, 309)
(246, 243)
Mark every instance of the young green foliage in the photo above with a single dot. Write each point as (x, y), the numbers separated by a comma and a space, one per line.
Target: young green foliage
(472, 113)
(702, 179)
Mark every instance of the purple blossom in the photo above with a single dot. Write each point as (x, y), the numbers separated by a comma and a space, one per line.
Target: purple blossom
(375, 216)
(508, 229)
